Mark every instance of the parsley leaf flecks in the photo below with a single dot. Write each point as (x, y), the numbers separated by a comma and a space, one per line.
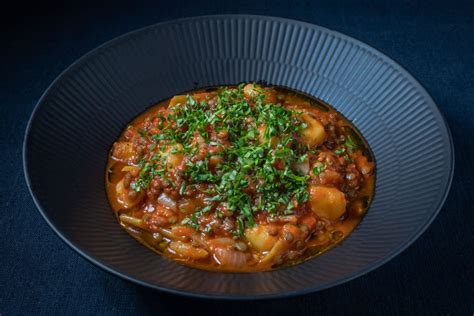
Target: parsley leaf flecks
(318, 169)
(255, 174)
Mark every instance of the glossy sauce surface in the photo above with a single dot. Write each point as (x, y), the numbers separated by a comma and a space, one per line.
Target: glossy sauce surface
(243, 178)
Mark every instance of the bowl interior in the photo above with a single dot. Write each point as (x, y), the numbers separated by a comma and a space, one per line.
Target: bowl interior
(84, 110)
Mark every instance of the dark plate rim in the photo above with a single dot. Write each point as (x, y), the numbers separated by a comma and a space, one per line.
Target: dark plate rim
(111, 270)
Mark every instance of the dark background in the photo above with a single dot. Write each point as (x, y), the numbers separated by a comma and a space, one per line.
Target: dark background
(39, 274)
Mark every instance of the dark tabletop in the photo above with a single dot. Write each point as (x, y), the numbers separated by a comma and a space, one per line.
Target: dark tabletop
(40, 274)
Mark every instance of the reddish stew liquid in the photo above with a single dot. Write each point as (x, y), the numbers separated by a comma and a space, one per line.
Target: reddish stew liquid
(243, 178)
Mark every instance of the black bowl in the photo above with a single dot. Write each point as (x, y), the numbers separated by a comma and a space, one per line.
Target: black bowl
(85, 108)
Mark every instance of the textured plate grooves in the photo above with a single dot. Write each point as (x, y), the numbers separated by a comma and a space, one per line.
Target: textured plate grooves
(84, 110)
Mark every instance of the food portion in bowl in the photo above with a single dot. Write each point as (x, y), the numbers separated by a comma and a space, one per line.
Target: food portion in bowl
(241, 178)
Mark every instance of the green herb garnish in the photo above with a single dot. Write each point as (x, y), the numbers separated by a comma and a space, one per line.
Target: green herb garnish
(257, 173)
(318, 169)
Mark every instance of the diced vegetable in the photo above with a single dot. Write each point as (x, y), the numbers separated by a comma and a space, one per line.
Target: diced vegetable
(313, 134)
(260, 238)
(327, 202)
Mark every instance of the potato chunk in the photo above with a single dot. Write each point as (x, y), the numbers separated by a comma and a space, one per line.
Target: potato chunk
(259, 238)
(314, 134)
(177, 100)
(327, 202)
(251, 91)
(174, 156)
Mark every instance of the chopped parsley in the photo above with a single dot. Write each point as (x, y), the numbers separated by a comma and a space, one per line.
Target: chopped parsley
(340, 151)
(318, 169)
(256, 174)
(350, 143)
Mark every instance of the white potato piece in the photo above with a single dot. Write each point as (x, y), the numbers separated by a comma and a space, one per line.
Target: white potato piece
(327, 202)
(313, 134)
(280, 247)
(259, 238)
(251, 91)
(174, 156)
(177, 100)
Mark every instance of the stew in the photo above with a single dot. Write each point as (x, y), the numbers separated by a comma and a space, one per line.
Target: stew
(241, 178)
